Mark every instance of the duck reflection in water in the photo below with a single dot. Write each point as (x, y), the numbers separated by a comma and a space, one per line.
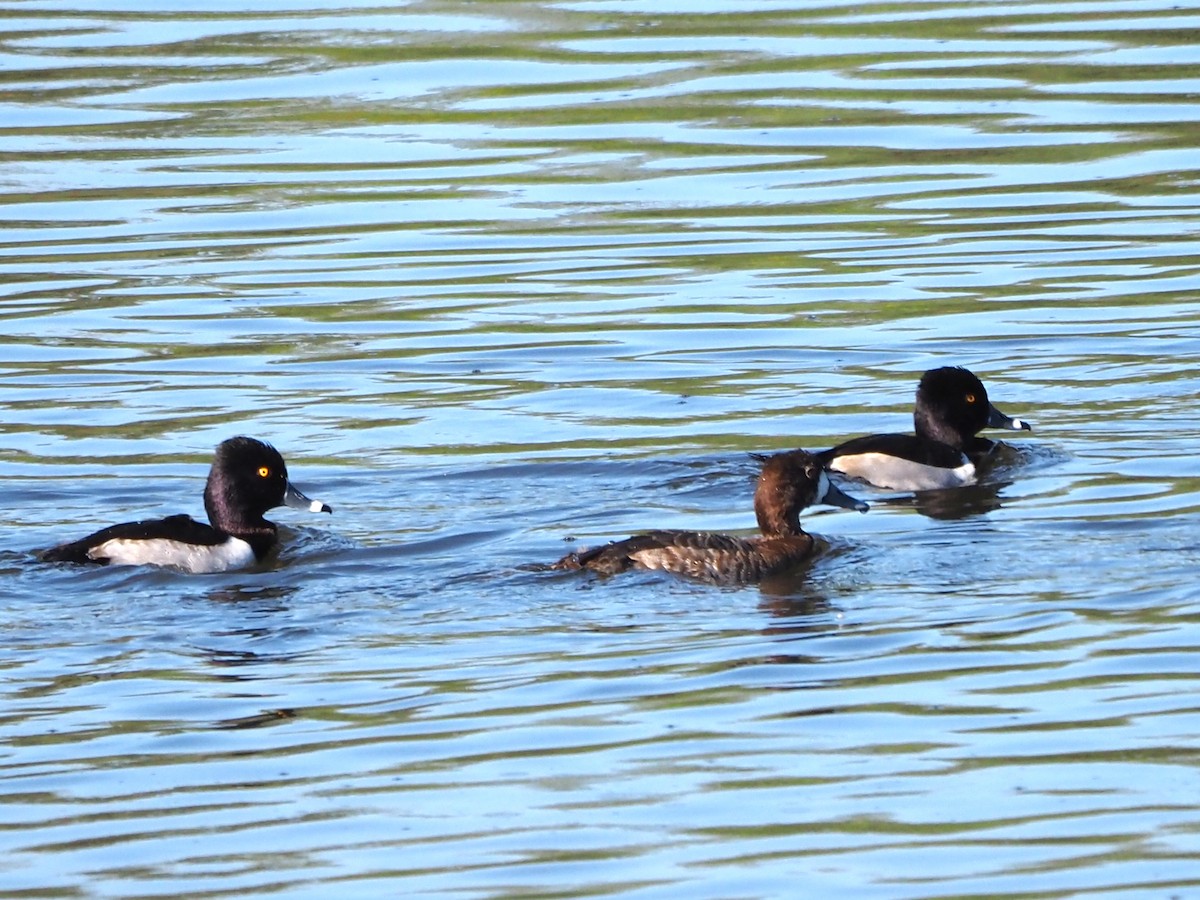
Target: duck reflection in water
(789, 482)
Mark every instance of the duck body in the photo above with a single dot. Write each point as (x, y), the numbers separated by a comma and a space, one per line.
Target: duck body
(789, 482)
(248, 477)
(177, 541)
(903, 462)
(952, 407)
(718, 558)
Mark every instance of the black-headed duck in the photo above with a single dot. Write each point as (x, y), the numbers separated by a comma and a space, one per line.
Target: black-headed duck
(952, 408)
(248, 477)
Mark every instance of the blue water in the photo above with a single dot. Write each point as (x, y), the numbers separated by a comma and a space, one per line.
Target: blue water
(504, 280)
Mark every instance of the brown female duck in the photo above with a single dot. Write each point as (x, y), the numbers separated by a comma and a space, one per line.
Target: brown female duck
(789, 482)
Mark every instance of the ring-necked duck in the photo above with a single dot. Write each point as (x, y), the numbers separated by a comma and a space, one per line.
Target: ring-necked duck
(952, 407)
(248, 477)
(789, 482)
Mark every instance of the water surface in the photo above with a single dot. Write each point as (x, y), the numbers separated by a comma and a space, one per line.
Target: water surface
(504, 279)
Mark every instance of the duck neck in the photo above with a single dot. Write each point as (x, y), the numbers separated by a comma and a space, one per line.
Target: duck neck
(774, 520)
(929, 427)
(253, 529)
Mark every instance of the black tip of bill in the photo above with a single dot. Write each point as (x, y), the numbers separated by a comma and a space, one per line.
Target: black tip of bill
(835, 496)
(296, 500)
(997, 419)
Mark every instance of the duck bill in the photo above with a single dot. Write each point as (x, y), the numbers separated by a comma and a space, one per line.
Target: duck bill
(296, 500)
(835, 496)
(997, 419)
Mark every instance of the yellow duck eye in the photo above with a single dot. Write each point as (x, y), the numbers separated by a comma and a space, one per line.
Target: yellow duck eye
(970, 399)
(264, 472)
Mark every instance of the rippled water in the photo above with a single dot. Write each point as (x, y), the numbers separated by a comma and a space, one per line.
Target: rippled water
(498, 277)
